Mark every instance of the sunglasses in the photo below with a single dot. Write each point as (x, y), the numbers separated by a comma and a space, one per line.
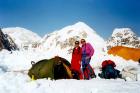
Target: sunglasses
(76, 42)
(82, 41)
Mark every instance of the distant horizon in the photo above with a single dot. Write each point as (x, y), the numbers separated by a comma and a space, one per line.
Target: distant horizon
(74, 24)
(46, 16)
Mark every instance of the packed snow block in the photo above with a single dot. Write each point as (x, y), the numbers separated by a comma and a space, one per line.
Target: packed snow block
(54, 68)
(126, 52)
(129, 72)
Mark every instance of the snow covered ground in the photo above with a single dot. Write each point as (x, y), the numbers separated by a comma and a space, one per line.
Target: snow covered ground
(14, 67)
(14, 81)
(19, 83)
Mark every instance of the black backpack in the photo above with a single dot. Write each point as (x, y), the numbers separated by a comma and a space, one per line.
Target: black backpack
(110, 72)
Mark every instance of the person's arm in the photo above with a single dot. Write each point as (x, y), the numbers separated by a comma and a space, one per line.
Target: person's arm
(80, 56)
(91, 50)
(72, 56)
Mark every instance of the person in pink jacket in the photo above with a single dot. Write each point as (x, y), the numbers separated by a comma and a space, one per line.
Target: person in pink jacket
(87, 53)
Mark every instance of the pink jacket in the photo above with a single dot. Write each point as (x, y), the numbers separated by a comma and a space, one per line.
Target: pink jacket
(89, 49)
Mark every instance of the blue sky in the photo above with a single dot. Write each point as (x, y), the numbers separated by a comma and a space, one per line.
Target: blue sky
(45, 16)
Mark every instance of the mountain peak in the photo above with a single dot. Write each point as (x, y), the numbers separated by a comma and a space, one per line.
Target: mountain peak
(63, 40)
(12, 30)
(21, 35)
(123, 31)
(123, 37)
(79, 27)
(81, 24)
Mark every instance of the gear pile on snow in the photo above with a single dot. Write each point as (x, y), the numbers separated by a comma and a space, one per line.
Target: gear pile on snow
(6, 42)
(109, 71)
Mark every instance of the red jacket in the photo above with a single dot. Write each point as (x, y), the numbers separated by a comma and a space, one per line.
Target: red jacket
(76, 59)
(108, 62)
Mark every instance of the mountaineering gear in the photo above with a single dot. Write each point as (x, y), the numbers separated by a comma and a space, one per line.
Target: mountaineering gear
(108, 62)
(87, 53)
(32, 77)
(127, 53)
(76, 62)
(108, 70)
(54, 68)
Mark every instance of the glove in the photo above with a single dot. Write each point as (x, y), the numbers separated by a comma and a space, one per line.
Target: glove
(87, 57)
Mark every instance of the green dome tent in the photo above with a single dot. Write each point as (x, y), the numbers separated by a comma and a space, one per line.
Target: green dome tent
(54, 68)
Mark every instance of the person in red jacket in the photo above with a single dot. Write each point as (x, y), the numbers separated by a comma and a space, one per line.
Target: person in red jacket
(76, 60)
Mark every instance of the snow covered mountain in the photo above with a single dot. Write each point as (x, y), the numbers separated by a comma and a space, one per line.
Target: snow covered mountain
(123, 37)
(21, 36)
(62, 42)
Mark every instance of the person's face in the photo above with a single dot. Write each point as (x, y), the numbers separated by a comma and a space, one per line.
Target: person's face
(76, 45)
(83, 42)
